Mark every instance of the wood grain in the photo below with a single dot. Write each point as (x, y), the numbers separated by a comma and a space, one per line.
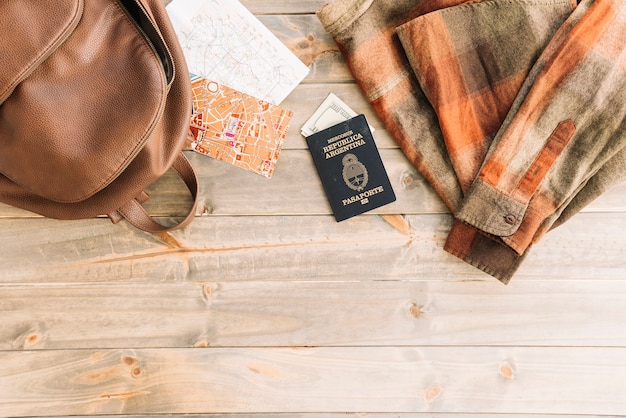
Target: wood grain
(287, 314)
(297, 248)
(540, 380)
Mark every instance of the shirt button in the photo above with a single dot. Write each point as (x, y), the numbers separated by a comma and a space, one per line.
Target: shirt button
(509, 219)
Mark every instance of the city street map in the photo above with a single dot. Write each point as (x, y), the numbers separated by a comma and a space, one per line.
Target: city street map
(223, 41)
(235, 127)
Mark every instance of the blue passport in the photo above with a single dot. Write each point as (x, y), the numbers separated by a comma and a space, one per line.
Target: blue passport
(350, 167)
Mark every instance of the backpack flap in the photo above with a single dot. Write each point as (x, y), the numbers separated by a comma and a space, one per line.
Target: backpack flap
(26, 39)
(82, 106)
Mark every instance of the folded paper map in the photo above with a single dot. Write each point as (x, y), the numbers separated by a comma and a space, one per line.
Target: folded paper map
(235, 127)
(223, 41)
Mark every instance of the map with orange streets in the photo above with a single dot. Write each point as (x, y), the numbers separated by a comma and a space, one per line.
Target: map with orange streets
(235, 127)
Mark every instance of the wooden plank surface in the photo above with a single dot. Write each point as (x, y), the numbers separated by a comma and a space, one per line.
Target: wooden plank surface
(387, 380)
(291, 248)
(287, 314)
(267, 307)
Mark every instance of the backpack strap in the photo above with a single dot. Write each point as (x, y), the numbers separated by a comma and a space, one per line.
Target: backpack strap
(137, 216)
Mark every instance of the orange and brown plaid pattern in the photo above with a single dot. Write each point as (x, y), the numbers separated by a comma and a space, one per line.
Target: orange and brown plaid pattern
(462, 57)
(514, 110)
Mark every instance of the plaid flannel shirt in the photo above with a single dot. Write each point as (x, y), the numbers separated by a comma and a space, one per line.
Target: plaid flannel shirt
(513, 110)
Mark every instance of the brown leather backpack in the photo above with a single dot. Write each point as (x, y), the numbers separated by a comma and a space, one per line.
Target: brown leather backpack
(95, 102)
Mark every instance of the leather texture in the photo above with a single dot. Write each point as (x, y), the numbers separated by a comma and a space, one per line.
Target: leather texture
(95, 106)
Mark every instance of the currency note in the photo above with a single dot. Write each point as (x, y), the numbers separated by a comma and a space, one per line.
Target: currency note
(331, 112)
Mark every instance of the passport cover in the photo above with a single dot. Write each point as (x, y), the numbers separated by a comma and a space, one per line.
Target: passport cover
(349, 165)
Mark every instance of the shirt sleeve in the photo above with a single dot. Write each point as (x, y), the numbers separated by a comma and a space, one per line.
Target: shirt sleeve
(565, 126)
(471, 63)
